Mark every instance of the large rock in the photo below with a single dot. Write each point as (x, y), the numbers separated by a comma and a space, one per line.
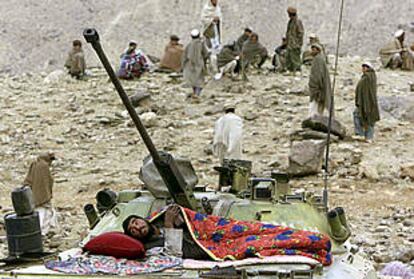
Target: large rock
(320, 123)
(407, 171)
(54, 76)
(308, 134)
(306, 157)
(140, 98)
(399, 107)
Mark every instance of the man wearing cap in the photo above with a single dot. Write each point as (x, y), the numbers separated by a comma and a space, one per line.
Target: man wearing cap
(366, 113)
(171, 61)
(394, 52)
(75, 63)
(294, 39)
(243, 38)
(194, 63)
(228, 133)
(319, 84)
(307, 56)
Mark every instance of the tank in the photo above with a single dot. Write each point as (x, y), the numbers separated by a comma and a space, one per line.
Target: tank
(265, 199)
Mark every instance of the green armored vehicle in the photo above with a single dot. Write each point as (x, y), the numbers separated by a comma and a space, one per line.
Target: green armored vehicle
(168, 179)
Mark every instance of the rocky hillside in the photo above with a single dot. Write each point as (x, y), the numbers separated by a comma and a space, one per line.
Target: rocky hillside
(88, 128)
(36, 35)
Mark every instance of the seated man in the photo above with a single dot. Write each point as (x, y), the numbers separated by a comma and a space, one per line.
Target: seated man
(133, 62)
(307, 56)
(75, 62)
(253, 52)
(159, 233)
(394, 53)
(243, 38)
(227, 61)
(279, 58)
(171, 61)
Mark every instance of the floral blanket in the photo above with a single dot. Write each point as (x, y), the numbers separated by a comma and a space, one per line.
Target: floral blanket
(83, 264)
(224, 239)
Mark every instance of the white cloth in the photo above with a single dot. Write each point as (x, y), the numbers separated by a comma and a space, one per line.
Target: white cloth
(228, 135)
(316, 109)
(208, 14)
(47, 217)
(226, 69)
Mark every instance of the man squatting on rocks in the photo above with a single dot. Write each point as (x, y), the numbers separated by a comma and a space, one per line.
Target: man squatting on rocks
(173, 53)
(75, 63)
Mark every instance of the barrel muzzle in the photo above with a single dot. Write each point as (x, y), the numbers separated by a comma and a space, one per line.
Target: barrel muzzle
(339, 232)
(91, 214)
(91, 35)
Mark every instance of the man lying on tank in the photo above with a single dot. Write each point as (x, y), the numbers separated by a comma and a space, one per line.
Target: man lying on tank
(165, 232)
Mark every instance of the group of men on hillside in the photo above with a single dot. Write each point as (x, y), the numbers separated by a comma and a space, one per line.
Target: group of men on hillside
(206, 49)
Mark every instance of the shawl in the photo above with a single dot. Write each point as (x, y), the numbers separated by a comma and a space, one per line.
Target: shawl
(295, 33)
(320, 82)
(76, 62)
(172, 57)
(387, 52)
(251, 50)
(366, 98)
(208, 14)
(40, 179)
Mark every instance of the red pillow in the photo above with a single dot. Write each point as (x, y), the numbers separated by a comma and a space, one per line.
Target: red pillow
(115, 244)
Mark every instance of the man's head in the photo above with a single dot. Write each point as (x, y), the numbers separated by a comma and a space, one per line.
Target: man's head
(132, 45)
(214, 2)
(366, 66)
(316, 49)
(248, 31)
(313, 38)
(195, 34)
(138, 228)
(400, 35)
(77, 45)
(229, 108)
(254, 37)
(49, 157)
(292, 12)
(174, 39)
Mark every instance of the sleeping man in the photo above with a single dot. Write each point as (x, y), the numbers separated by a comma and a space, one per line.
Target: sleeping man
(159, 232)
(207, 237)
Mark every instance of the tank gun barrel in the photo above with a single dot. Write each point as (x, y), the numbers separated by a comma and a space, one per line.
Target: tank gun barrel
(163, 161)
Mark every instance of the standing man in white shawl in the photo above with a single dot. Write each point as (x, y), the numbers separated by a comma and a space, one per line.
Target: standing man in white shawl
(211, 19)
(228, 134)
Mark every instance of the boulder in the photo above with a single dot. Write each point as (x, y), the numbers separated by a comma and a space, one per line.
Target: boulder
(139, 98)
(308, 134)
(399, 107)
(320, 123)
(149, 119)
(306, 157)
(407, 171)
